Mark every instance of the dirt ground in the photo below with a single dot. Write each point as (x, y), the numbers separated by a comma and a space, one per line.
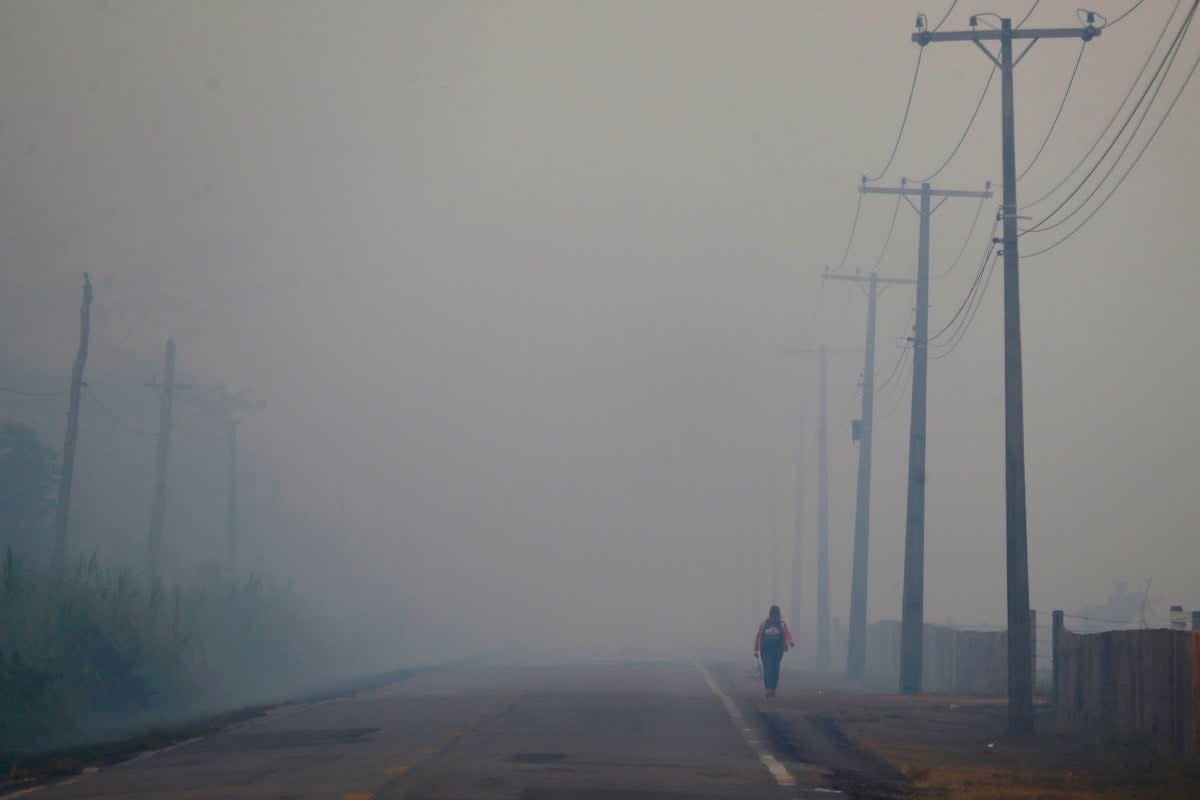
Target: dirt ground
(951, 748)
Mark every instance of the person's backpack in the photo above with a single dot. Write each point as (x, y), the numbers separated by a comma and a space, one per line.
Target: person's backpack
(772, 636)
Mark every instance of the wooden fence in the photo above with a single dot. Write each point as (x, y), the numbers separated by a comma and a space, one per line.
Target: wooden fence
(1137, 684)
(1134, 684)
(953, 661)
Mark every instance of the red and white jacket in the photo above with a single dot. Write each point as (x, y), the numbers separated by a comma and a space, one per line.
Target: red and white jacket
(787, 634)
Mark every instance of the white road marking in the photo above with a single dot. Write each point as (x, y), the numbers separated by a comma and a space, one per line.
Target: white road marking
(777, 770)
(142, 756)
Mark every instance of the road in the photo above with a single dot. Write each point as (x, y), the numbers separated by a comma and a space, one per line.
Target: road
(625, 730)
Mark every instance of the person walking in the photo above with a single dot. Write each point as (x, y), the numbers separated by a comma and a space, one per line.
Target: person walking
(772, 641)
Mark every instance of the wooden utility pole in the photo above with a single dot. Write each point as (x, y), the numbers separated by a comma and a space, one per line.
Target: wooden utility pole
(227, 406)
(233, 499)
(1020, 661)
(913, 604)
(772, 541)
(233, 405)
(863, 429)
(63, 507)
(798, 539)
(1056, 633)
(158, 504)
(824, 658)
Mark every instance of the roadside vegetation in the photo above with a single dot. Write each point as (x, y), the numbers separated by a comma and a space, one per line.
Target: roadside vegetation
(95, 654)
(98, 652)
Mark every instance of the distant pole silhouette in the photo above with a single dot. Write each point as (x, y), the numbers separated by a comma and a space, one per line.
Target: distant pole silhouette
(772, 541)
(226, 407)
(863, 434)
(824, 659)
(233, 497)
(66, 477)
(158, 504)
(823, 636)
(798, 539)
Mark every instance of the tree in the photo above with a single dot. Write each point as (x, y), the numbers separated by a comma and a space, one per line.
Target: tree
(28, 477)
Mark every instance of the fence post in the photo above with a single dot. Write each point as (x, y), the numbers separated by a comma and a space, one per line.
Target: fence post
(952, 657)
(1056, 631)
(1195, 743)
(1033, 668)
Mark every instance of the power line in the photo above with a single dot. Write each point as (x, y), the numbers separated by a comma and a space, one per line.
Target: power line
(853, 228)
(967, 130)
(1041, 227)
(1155, 84)
(1057, 114)
(983, 263)
(114, 417)
(1121, 180)
(1097, 619)
(1116, 112)
(1169, 62)
(904, 349)
(1029, 13)
(961, 332)
(23, 393)
(974, 297)
(888, 239)
(975, 300)
(904, 121)
(966, 240)
(971, 307)
(905, 384)
(1128, 11)
(945, 16)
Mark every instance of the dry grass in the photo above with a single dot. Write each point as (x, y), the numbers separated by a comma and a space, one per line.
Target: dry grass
(952, 748)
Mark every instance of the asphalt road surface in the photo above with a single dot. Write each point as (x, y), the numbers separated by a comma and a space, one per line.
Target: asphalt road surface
(622, 730)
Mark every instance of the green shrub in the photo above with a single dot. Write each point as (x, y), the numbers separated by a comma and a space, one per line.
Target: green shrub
(94, 652)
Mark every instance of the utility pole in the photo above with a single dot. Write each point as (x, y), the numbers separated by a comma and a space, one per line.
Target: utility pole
(772, 541)
(913, 605)
(754, 585)
(1020, 650)
(233, 499)
(227, 406)
(221, 407)
(823, 646)
(158, 505)
(798, 541)
(862, 433)
(62, 509)
(823, 656)
(756, 579)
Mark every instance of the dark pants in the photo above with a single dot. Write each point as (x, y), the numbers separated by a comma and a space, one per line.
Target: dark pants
(770, 665)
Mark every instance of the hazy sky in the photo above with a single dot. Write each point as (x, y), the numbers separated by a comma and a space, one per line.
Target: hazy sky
(515, 280)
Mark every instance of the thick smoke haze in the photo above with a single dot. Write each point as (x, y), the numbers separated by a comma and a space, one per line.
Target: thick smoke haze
(518, 282)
